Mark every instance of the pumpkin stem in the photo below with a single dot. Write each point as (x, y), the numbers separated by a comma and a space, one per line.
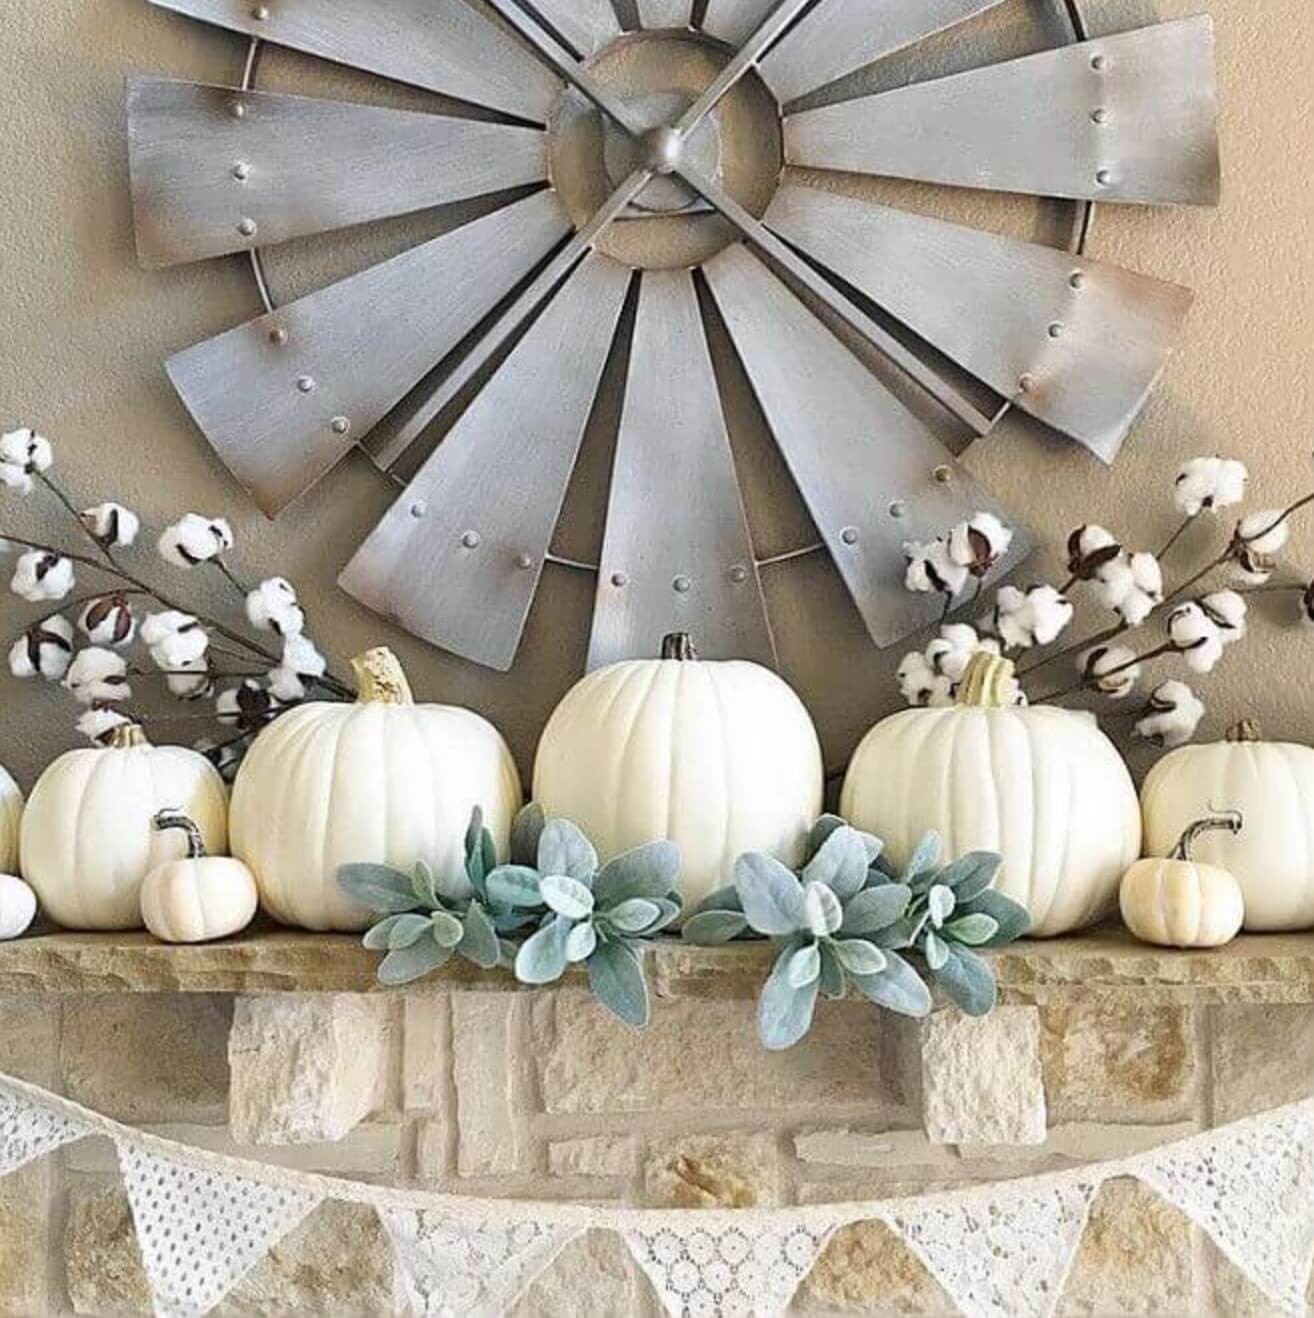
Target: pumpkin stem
(1233, 821)
(381, 679)
(168, 820)
(679, 645)
(1244, 733)
(989, 683)
(126, 736)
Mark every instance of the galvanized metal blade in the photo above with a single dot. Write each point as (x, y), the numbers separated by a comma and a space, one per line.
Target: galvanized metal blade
(217, 170)
(871, 474)
(1129, 118)
(282, 398)
(665, 13)
(458, 558)
(1075, 342)
(587, 25)
(441, 45)
(677, 555)
(839, 36)
(734, 21)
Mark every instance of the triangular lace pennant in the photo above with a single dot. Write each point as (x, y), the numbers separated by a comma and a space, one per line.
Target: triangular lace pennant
(28, 1132)
(201, 1231)
(469, 1267)
(1000, 1255)
(1252, 1189)
(716, 1265)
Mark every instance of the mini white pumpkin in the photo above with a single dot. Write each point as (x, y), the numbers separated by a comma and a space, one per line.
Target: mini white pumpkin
(1177, 902)
(719, 758)
(1042, 786)
(11, 811)
(1271, 786)
(383, 781)
(199, 898)
(88, 838)
(18, 907)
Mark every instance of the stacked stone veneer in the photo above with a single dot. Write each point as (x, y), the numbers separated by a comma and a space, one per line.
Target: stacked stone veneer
(543, 1096)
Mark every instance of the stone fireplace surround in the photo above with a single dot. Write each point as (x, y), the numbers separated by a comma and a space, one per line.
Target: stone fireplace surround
(279, 1046)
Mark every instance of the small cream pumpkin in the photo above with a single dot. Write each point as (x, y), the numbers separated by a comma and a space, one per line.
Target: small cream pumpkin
(11, 811)
(1042, 786)
(1176, 902)
(384, 780)
(1271, 785)
(18, 907)
(199, 898)
(88, 840)
(720, 758)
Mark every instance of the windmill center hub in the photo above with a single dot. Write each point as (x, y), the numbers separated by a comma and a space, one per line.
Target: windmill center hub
(662, 149)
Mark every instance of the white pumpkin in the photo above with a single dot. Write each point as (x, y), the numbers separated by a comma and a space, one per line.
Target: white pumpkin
(1176, 902)
(383, 781)
(18, 907)
(11, 811)
(1042, 786)
(88, 839)
(720, 758)
(199, 898)
(1271, 785)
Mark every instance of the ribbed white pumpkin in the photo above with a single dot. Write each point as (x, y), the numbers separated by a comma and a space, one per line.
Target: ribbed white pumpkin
(88, 840)
(720, 758)
(383, 781)
(198, 898)
(1177, 902)
(1271, 785)
(11, 811)
(1043, 787)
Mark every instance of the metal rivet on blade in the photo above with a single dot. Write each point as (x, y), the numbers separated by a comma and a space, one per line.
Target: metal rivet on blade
(898, 509)
(738, 574)
(682, 585)
(237, 109)
(470, 540)
(849, 535)
(943, 474)
(1078, 280)
(1104, 177)
(247, 227)
(260, 13)
(1100, 116)
(419, 509)
(241, 171)
(1056, 330)
(278, 336)
(306, 384)
(619, 580)
(1026, 384)
(1099, 63)
(524, 562)
(341, 425)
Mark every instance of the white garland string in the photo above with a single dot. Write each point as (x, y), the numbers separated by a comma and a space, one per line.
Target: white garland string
(205, 1219)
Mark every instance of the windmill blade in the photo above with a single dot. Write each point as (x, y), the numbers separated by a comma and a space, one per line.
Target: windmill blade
(586, 25)
(839, 36)
(1090, 340)
(458, 558)
(282, 398)
(217, 170)
(443, 46)
(665, 13)
(879, 479)
(1129, 118)
(692, 569)
(734, 21)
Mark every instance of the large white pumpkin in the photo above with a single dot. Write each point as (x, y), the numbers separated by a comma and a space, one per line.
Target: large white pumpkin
(1043, 787)
(1271, 785)
(88, 838)
(383, 781)
(11, 811)
(720, 758)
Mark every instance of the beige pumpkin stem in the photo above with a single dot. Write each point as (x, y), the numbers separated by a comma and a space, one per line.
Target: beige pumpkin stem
(989, 683)
(168, 820)
(126, 736)
(1231, 822)
(380, 679)
(1244, 733)
(679, 645)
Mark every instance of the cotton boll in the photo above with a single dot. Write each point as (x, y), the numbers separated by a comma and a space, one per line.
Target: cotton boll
(112, 525)
(194, 540)
(108, 621)
(272, 606)
(100, 725)
(41, 577)
(979, 543)
(1228, 612)
(302, 658)
(1172, 717)
(286, 686)
(920, 685)
(1089, 548)
(97, 675)
(1208, 484)
(44, 650)
(1196, 635)
(18, 907)
(1111, 670)
(931, 570)
(248, 706)
(191, 680)
(1265, 533)
(158, 627)
(23, 454)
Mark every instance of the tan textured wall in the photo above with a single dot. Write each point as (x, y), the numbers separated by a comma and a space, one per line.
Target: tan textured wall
(84, 332)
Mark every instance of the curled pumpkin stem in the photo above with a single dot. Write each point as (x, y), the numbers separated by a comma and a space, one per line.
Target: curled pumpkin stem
(1231, 821)
(168, 820)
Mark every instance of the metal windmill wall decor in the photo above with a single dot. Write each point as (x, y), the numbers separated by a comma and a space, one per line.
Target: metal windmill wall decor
(531, 289)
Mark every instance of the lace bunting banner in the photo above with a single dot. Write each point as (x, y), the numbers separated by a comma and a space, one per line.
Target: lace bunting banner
(204, 1221)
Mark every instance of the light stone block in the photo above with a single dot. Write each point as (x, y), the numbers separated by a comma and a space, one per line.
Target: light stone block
(1081, 1142)
(29, 1038)
(1263, 1057)
(867, 1269)
(603, 1155)
(593, 1277)
(981, 1079)
(102, 1268)
(306, 1068)
(427, 1052)
(146, 1058)
(25, 1203)
(843, 1147)
(736, 1169)
(485, 1055)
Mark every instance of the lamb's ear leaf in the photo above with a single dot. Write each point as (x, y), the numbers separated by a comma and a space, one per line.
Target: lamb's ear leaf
(935, 950)
(723, 899)
(542, 957)
(617, 979)
(1012, 918)
(972, 930)
(479, 940)
(784, 1012)
(563, 849)
(407, 964)
(568, 897)
(771, 895)
(832, 974)
(422, 884)
(376, 938)
(516, 886)
(898, 988)
(969, 981)
(378, 888)
(874, 909)
(971, 875)
(649, 871)
(821, 831)
(408, 930)
(841, 863)
(668, 911)
(525, 833)
(924, 859)
(633, 915)
(714, 928)
(473, 833)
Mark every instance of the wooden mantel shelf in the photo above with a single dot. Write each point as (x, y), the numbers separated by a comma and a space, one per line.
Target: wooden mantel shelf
(1105, 965)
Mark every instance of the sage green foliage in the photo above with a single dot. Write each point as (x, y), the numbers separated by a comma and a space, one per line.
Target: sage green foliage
(551, 907)
(847, 919)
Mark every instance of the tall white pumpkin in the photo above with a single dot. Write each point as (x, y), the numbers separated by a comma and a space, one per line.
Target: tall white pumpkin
(1042, 786)
(1271, 785)
(11, 811)
(383, 781)
(88, 838)
(720, 758)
